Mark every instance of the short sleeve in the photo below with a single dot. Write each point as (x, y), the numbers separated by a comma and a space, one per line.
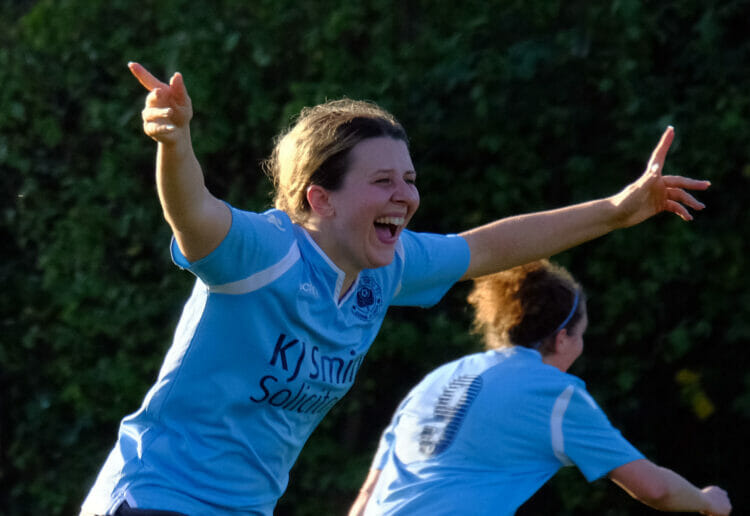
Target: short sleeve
(432, 265)
(587, 437)
(254, 241)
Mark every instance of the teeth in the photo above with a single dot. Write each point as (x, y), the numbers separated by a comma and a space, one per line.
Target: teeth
(394, 221)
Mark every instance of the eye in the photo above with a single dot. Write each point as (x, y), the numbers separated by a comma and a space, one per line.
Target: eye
(383, 180)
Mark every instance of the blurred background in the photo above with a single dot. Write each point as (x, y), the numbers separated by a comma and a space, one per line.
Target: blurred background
(511, 107)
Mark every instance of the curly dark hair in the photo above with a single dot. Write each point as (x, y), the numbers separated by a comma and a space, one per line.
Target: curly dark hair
(526, 305)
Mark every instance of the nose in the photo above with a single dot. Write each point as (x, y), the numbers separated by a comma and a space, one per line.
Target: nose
(405, 192)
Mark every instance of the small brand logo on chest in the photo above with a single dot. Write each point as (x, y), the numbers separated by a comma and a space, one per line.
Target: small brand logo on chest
(308, 288)
(273, 219)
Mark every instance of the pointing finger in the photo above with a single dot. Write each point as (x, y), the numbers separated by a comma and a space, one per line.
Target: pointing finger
(147, 80)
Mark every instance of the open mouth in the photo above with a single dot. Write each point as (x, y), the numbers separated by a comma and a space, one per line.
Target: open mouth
(388, 226)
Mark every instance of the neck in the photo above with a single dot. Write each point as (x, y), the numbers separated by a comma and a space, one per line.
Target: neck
(555, 360)
(320, 237)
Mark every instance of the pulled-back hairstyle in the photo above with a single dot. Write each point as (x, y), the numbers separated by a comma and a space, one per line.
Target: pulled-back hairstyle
(315, 149)
(526, 305)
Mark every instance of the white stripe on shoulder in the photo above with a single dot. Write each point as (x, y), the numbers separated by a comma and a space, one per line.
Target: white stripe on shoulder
(586, 396)
(556, 421)
(261, 278)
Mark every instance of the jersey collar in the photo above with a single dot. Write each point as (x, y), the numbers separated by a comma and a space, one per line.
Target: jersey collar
(333, 275)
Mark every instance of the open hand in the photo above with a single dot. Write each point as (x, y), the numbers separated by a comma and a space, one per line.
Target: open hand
(653, 192)
(168, 109)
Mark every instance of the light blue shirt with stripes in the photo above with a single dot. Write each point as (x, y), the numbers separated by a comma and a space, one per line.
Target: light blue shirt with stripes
(481, 434)
(266, 345)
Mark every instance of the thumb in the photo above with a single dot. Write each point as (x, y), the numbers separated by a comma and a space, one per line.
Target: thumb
(178, 89)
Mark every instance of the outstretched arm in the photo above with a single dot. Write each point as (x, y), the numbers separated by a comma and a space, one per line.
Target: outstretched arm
(199, 220)
(517, 240)
(665, 490)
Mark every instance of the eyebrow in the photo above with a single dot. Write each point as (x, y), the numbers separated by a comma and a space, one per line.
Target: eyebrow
(392, 171)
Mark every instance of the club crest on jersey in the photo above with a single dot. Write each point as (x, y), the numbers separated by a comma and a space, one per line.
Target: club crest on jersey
(368, 298)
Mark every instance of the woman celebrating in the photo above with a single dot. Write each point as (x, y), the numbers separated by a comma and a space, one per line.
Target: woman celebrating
(287, 302)
(481, 434)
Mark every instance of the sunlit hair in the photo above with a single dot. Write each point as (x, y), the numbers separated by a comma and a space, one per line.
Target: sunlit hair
(315, 149)
(525, 306)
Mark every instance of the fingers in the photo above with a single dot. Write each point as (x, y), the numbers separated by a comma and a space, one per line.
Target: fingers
(147, 80)
(685, 182)
(162, 94)
(178, 90)
(157, 98)
(685, 198)
(151, 114)
(157, 122)
(678, 209)
(660, 152)
(157, 129)
(168, 109)
(175, 89)
(677, 200)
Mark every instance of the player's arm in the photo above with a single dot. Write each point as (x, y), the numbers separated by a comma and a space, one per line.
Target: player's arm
(665, 490)
(358, 507)
(517, 240)
(199, 220)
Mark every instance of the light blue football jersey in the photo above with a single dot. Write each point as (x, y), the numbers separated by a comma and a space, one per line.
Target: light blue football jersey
(264, 348)
(481, 434)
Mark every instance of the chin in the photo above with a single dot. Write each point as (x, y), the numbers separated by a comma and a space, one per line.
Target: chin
(382, 260)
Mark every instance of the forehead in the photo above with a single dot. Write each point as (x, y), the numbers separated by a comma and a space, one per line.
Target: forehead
(381, 153)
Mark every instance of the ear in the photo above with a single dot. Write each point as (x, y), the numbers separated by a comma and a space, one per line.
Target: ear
(319, 201)
(561, 340)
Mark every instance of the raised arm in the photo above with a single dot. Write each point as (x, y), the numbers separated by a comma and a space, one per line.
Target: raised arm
(517, 240)
(665, 490)
(199, 220)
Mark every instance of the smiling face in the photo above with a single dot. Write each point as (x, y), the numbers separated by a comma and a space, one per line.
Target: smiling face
(315, 150)
(367, 213)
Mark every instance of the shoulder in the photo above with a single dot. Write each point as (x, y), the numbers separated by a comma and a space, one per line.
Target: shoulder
(429, 265)
(411, 241)
(522, 372)
(272, 221)
(255, 242)
(271, 231)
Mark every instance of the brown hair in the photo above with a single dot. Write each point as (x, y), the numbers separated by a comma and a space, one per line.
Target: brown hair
(315, 149)
(525, 306)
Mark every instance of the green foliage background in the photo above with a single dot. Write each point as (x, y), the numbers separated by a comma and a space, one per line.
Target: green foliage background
(511, 106)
